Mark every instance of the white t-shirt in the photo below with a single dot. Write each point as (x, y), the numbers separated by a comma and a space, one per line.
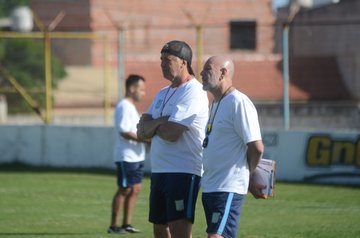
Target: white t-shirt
(188, 106)
(225, 162)
(126, 119)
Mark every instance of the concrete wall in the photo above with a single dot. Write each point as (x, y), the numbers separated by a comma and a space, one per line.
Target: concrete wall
(3, 109)
(312, 116)
(57, 146)
(300, 156)
(315, 156)
(303, 117)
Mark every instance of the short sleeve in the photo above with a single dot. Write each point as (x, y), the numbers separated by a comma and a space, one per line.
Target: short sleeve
(123, 118)
(246, 121)
(190, 104)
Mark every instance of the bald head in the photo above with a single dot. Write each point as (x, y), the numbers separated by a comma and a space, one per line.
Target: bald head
(217, 75)
(223, 63)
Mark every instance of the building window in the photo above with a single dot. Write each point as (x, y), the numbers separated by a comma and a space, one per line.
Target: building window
(243, 35)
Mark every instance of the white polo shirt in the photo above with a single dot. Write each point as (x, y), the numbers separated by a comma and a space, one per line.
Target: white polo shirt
(224, 159)
(188, 106)
(126, 119)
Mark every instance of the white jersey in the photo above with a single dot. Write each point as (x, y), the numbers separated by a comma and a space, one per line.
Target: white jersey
(225, 161)
(126, 119)
(188, 106)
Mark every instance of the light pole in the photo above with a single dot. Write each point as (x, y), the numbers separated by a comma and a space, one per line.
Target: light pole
(285, 51)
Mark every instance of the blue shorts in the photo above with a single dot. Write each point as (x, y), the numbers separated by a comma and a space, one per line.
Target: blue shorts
(173, 197)
(129, 174)
(222, 211)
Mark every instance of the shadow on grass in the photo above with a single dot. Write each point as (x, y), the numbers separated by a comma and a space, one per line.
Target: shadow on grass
(21, 167)
(315, 183)
(40, 234)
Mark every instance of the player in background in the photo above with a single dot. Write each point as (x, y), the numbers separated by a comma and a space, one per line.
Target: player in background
(129, 156)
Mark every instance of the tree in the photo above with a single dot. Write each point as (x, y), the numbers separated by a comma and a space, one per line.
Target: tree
(7, 5)
(24, 59)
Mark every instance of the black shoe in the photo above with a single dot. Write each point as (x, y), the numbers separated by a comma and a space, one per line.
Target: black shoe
(130, 229)
(116, 230)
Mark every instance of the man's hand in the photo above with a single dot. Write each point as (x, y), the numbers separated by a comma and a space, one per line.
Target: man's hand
(145, 117)
(256, 189)
(140, 126)
(147, 126)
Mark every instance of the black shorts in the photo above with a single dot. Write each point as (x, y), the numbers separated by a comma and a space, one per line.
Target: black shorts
(222, 211)
(173, 197)
(129, 174)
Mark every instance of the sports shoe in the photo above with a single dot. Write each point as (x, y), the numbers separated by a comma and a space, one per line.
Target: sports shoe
(116, 230)
(130, 229)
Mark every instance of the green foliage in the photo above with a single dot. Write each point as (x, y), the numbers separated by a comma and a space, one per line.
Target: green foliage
(7, 5)
(68, 203)
(24, 59)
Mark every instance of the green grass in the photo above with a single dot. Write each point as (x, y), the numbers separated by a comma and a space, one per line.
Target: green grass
(76, 203)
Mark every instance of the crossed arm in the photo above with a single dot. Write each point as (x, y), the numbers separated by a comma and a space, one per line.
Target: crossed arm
(130, 136)
(165, 129)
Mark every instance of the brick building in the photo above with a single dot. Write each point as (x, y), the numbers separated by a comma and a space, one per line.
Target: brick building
(229, 25)
(244, 29)
(240, 28)
(323, 41)
(324, 62)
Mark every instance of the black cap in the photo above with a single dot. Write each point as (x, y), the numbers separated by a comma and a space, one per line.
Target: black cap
(179, 49)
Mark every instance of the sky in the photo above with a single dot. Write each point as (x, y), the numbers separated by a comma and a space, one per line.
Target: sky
(278, 3)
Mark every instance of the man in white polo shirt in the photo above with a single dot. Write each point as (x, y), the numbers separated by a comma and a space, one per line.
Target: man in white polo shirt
(175, 121)
(232, 149)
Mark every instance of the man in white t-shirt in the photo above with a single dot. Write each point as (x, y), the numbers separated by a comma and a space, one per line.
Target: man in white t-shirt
(232, 149)
(129, 156)
(175, 123)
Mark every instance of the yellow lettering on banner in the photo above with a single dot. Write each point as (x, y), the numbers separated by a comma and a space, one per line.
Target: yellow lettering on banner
(318, 152)
(323, 151)
(343, 152)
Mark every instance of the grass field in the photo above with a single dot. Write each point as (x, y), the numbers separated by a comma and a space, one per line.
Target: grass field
(69, 203)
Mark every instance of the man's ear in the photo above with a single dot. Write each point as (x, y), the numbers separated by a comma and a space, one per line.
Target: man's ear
(185, 63)
(132, 89)
(223, 72)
